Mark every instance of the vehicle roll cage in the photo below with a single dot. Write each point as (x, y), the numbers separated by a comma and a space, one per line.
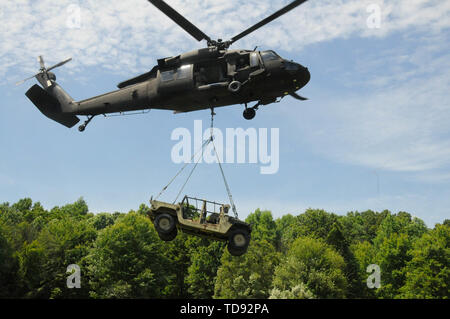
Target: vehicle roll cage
(202, 207)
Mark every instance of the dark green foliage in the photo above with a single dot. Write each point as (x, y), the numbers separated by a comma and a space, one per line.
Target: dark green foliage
(247, 276)
(313, 264)
(8, 265)
(315, 223)
(360, 227)
(313, 255)
(337, 239)
(126, 261)
(202, 272)
(263, 226)
(428, 271)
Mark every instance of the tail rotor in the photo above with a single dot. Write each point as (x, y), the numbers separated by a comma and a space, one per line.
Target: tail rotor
(44, 76)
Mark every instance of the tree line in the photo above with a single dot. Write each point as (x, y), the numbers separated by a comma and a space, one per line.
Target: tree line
(315, 254)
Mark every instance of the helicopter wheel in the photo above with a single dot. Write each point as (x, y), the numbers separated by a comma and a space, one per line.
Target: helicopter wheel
(81, 128)
(249, 113)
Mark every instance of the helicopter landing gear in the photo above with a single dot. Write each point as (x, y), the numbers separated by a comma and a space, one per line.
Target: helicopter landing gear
(249, 113)
(82, 127)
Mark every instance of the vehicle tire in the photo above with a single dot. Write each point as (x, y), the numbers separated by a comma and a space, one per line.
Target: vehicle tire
(164, 223)
(234, 86)
(169, 237)
(249, 113)
(238, 242)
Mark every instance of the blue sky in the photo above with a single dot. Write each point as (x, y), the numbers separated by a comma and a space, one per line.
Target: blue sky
(375, 133)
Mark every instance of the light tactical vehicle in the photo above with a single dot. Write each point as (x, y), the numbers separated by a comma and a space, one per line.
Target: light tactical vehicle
(205, 221)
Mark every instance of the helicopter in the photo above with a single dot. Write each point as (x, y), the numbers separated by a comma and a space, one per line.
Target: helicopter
(206, 78)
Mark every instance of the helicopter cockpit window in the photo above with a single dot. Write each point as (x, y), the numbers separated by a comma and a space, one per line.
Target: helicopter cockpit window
(290, 66)
(269, 56)
(254, 61)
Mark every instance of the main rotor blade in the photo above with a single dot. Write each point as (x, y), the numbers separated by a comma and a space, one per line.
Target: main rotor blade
(59, 64)
(180, 20)
(274, 16)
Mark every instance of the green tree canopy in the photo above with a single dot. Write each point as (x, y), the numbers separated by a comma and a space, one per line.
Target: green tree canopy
(428, 272)
(263, 226)
(127, 260)
(314, 265)
(247, 276)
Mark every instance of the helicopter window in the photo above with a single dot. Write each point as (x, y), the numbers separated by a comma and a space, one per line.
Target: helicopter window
(269, 56)
(184, 72)
(254, 61)
(168, 75)
(291, 66)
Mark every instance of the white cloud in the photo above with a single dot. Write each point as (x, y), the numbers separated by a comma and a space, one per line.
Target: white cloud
(394, 115)
(116, 34)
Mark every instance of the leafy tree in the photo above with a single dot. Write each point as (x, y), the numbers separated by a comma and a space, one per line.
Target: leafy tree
(64, 242)
(282, 224)
(247, 276)
(23, 205)
(102, 220)
(8, 266)
(363, 226)
(314, 223)
(202, 272)
(428, 272)
(77, 209)
(178, 254)
(127, 260)
(392, 256)
(31, 260)
(297, 292)
(315, 265)
(365, 254)
(263, 226)
(337, 239)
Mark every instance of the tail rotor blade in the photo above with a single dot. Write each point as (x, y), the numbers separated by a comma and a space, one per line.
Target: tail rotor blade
(59, 64)
(41, 62)
(23, 81)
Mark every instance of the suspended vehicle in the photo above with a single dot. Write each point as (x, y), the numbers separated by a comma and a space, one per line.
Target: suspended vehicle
(206, 78)
(200, 217)
(204, 221)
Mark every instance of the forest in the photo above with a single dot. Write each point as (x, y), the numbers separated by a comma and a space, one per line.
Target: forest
(315, 254)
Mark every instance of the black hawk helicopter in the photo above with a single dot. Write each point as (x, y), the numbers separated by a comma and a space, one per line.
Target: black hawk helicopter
(201, 79)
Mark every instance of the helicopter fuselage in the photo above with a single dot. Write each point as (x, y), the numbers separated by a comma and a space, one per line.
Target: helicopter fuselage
(200, 80)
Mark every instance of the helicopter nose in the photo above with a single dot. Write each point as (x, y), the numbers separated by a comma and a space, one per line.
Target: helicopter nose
(303, 75)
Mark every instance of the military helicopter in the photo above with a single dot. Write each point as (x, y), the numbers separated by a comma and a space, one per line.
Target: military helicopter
(206, 78)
